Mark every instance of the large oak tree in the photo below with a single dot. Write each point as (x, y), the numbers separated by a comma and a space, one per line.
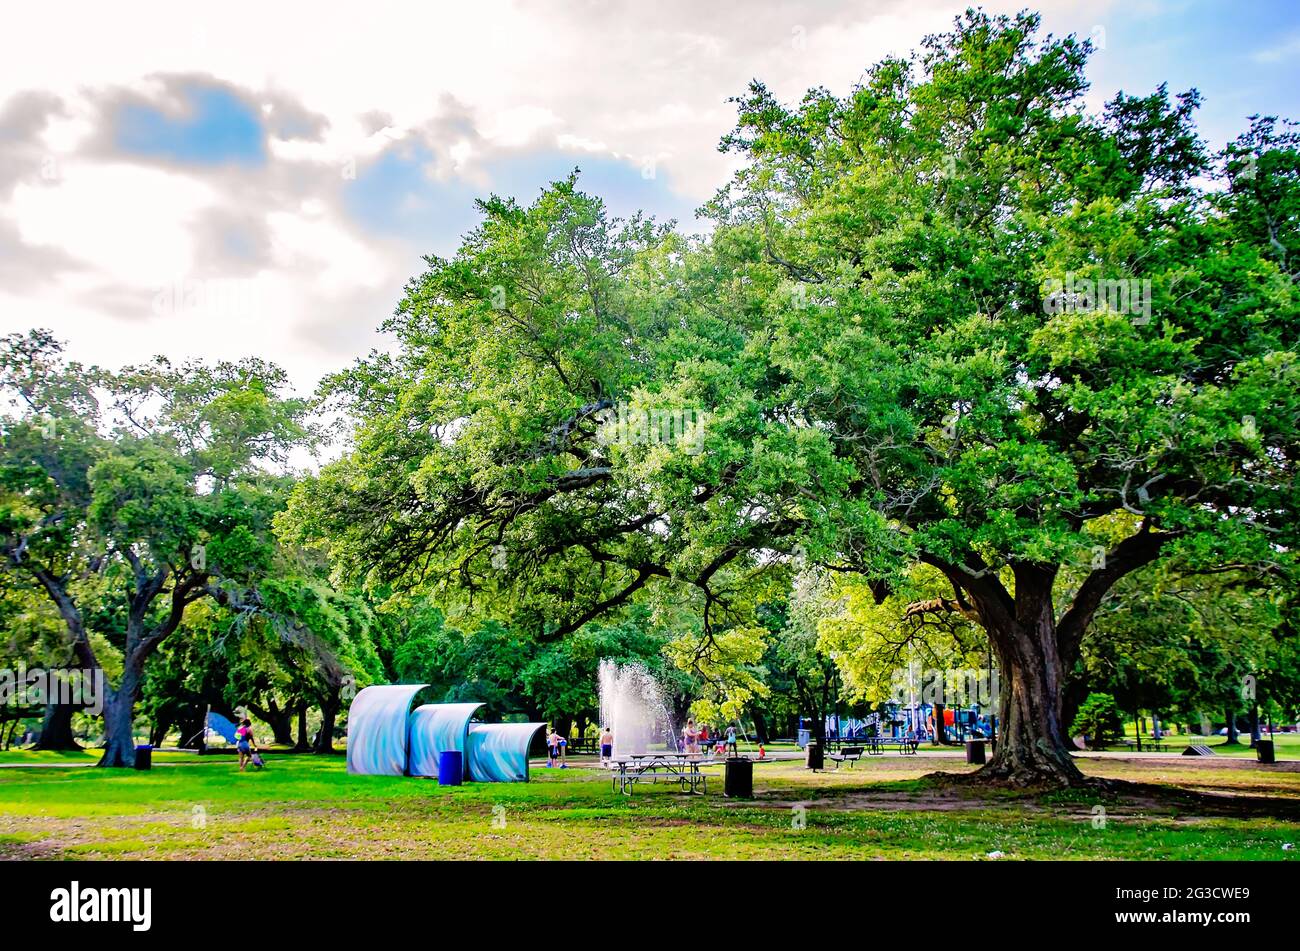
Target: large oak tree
(891, 339)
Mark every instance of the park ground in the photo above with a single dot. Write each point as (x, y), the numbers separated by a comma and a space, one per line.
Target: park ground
(886, 807)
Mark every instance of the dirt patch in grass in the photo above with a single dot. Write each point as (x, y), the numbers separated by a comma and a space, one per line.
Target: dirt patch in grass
(15, 851)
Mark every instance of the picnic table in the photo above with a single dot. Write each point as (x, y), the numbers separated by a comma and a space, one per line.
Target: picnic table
(1148, 746)
(681, 768)
(906, 744)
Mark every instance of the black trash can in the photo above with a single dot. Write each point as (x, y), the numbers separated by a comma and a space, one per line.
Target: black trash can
(738, 780)
(144, 757)
(814, 758)
(975, 751)
(1264, 751)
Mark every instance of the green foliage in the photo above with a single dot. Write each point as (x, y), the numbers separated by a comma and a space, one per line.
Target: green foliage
(890, 337)
(127, 497)
(960, 365)
(873, 638)
(511, 672)
(1099, 720)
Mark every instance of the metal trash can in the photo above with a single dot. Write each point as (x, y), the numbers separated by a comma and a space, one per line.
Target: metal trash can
(1264, 751)
(975, 751)
(738, 780)
(144, 757)
(814, 757)
(449, 768)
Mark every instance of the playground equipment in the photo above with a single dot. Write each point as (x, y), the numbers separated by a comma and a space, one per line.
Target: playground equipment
(895, 721)
(387, 738)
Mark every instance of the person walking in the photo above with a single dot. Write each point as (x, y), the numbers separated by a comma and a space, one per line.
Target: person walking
(606, 746)
(245, 743)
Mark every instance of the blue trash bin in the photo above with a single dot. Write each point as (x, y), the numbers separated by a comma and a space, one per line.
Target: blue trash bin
(449, 768)
(144, 757)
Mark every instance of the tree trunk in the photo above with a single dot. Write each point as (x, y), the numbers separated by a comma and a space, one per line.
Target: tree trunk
(56, 729)
(158, 735)
(1254, 726)
(193, 727)
(304, 743)
(1231, 716)
(325, 738)
(280, 722)
(1076, 692)
(940, 728)
(760, 726)
(1031, 747)
(119, 718)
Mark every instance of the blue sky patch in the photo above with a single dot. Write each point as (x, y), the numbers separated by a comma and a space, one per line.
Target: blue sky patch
(394, 195)
(216, 127)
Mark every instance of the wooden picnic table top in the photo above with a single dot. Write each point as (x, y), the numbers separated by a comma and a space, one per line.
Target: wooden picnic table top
(675, 757)
(654, 761)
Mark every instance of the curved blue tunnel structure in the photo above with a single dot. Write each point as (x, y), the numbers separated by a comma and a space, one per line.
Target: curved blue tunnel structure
(387, 738)
(498, 752)
(436, 727)
(378, 730)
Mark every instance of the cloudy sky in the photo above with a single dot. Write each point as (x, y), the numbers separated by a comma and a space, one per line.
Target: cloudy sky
(262, 178)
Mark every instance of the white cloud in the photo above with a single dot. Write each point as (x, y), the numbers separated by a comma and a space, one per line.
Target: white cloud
(340, 84)
(1287, 49)
(129, 221)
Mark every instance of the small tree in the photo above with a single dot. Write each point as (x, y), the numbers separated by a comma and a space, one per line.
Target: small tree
(1098, 719)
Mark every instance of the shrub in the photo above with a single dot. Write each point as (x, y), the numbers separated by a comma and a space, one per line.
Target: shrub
(1098, 719)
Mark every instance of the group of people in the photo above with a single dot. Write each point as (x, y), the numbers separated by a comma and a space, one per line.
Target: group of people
(693, 739)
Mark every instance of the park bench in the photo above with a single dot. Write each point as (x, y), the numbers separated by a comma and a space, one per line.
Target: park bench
(847, 754)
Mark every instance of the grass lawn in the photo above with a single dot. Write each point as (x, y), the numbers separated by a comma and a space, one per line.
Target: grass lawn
(1285, 745)
(308, 807)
